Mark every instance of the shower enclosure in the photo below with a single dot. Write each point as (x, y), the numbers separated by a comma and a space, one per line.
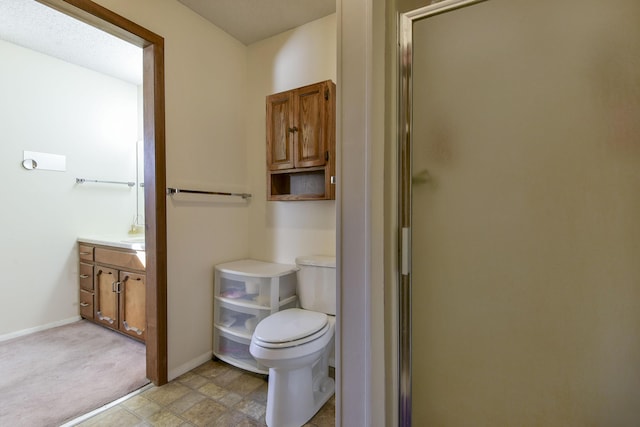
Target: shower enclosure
(520, 211)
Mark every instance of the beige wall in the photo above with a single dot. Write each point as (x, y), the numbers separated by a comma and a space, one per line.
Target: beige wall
(208, 145)
(205, 81)
(281, 231)
(215, 91)
(90, 118)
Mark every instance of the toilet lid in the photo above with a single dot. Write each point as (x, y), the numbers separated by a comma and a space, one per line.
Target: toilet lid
(289, 325)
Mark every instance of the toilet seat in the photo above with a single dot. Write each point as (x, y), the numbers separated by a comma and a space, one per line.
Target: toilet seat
(290, 328)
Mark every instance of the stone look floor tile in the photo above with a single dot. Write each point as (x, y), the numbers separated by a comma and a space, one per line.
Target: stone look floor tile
(204, 413)
(253, 409)
(167, 393)
(192, 380)
(213, 391)
(213, 394)
(245, 384)
(230, 399)
(116, 416)
(237, 419)
(185, 402)
(212, 369)
(260, 394)
(141, 406)
(165, 418)
(227, 377)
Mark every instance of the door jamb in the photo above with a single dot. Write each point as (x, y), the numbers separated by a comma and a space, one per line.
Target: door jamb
(154, 168)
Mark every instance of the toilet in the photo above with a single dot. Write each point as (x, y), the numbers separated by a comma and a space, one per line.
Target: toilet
(296, 345)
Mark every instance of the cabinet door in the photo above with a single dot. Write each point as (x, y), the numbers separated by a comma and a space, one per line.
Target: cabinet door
(133, 319)
(310, 143)
(106, 304)
(280, 131)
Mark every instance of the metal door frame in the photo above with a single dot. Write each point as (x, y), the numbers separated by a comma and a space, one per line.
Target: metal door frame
(405, 173)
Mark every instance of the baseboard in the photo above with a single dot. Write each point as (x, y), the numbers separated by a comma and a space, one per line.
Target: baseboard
(38, 328)
(186, 367)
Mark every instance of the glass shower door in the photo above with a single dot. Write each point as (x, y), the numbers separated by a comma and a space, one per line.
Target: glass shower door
(525, 215)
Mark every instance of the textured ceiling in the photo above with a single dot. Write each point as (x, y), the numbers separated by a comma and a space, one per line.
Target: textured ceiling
(37, 27)
(252, 20)
(30, 24)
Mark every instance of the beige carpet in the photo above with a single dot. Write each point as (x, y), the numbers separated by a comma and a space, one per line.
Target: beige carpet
(53, 376)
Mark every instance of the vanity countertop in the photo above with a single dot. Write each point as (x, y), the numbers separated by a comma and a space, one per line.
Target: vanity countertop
(126, 241)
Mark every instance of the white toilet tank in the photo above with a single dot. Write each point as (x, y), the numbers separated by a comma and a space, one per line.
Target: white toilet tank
(316, 285)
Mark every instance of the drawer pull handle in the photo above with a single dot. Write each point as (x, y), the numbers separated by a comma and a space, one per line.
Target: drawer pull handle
(85, 253)
(105, 318)
(84, 304)
(131, 328)
(84, 276)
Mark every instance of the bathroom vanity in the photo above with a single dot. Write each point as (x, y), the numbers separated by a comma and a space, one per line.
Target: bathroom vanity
(245, 292)
(112, 283)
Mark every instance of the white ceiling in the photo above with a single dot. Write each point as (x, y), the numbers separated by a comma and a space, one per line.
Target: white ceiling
(30, 24)
(37, 27)
(253, 20)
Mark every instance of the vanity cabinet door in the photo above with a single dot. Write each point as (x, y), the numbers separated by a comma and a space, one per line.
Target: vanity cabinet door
(132, 304)
(106, 304)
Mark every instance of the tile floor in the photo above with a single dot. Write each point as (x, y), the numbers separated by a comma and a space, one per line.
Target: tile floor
(213, 394)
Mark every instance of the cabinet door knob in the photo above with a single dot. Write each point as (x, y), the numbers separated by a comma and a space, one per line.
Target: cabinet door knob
(293, 129)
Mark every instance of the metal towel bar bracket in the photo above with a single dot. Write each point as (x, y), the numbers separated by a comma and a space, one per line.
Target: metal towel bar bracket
(172, 191)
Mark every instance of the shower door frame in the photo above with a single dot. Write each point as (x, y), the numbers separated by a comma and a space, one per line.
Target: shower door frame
(405, 173)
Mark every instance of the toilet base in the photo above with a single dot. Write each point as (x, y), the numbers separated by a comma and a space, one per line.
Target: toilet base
(296, 395)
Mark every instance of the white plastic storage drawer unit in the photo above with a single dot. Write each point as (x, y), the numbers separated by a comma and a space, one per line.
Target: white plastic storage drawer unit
(246, 292)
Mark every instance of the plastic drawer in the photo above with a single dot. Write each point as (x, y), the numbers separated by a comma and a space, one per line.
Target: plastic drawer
(235, 350)
(242, 320)
(255, 290)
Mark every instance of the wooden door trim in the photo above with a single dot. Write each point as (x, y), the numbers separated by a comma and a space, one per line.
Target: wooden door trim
(154, 167)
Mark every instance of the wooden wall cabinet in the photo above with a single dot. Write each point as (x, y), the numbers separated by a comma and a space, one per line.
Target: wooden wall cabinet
(301, 143)
(113, 289)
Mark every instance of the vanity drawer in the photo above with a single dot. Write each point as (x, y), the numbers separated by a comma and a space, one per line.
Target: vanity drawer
(86, 277)
(121, 259)
(86, 304)
(85, 252)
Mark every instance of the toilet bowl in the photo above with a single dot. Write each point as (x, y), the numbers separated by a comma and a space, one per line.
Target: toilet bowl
(295, 344)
